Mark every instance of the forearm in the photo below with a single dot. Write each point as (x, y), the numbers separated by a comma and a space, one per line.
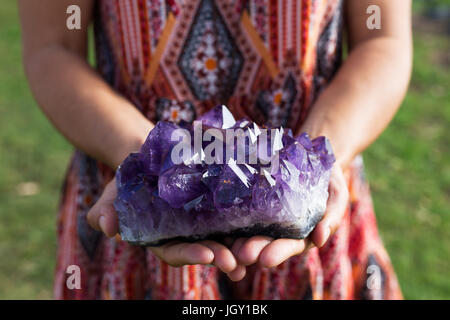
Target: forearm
(83, 107)
(362, 98)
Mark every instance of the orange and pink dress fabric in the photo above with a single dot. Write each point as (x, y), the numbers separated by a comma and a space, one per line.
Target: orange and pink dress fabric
(267, 60)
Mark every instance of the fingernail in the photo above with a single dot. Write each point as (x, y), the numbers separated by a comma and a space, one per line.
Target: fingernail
(102, 223)
(325, 238)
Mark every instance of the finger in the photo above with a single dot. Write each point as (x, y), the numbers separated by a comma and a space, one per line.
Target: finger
(250, 250)
(280, 250)
(237, 274)
(321, 234)
(223, 258)
(336, 207)
(179, 254)
(102, 216)
(237, 244)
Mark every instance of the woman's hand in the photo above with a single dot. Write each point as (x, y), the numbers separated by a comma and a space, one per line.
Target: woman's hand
(270, 253)
(103, 217)
(244, 251)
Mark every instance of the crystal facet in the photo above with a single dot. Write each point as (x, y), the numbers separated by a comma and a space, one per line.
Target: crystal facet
(280, 190)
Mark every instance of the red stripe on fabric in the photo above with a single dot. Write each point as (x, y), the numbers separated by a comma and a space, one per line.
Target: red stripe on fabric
(164, 274)
(262, 285)
(273, 29)
(284, 28)
(134, 34)
(130, 21)
(121, 32)
(292, 277)
(294, 27)
(75, 242)
(126, 36)
(145, 32)
(306, 10)
(192, 281)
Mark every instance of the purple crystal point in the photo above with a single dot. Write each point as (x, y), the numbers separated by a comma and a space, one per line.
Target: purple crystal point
(218, 117)
(180, 184)
(211, 176)
(322, 147)
(157, 146)
(231, 190)
(305, 141)
(296, 154)
(276, 187)
(132, 169)
(265, 198)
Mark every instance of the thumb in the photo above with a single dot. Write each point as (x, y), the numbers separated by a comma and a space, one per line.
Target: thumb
(103, 216)
(336, 208)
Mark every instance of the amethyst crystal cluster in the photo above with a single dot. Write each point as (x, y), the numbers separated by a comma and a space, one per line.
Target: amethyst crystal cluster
(221, 177)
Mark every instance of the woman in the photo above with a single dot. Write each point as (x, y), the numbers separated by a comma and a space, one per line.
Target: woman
(274, 61)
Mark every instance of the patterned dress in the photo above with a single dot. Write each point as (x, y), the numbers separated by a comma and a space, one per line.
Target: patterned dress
(265, 59)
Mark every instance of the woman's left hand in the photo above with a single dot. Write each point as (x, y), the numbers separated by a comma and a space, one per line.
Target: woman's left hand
(270, 253)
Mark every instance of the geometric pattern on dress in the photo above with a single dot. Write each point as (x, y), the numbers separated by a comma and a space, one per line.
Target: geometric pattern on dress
(328, 51)
(190, 41)
(281, 103)
(88, 193)
(259, 13)
(276, 104)
(279, 25)
(174, 111)
(210, 60)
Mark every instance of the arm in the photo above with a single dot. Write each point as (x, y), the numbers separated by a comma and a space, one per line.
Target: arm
(352, 111)
(77, 101)
(369, 87)
(93, 117)
(363, 97)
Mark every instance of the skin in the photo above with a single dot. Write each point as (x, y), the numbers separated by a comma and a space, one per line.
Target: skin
(352, 111)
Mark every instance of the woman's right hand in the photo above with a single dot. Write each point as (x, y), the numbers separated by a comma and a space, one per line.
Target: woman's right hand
(103, 217)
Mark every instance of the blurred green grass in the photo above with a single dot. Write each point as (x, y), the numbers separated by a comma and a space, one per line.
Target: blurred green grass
(409, 171)
(408, 168)
(30, 150)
